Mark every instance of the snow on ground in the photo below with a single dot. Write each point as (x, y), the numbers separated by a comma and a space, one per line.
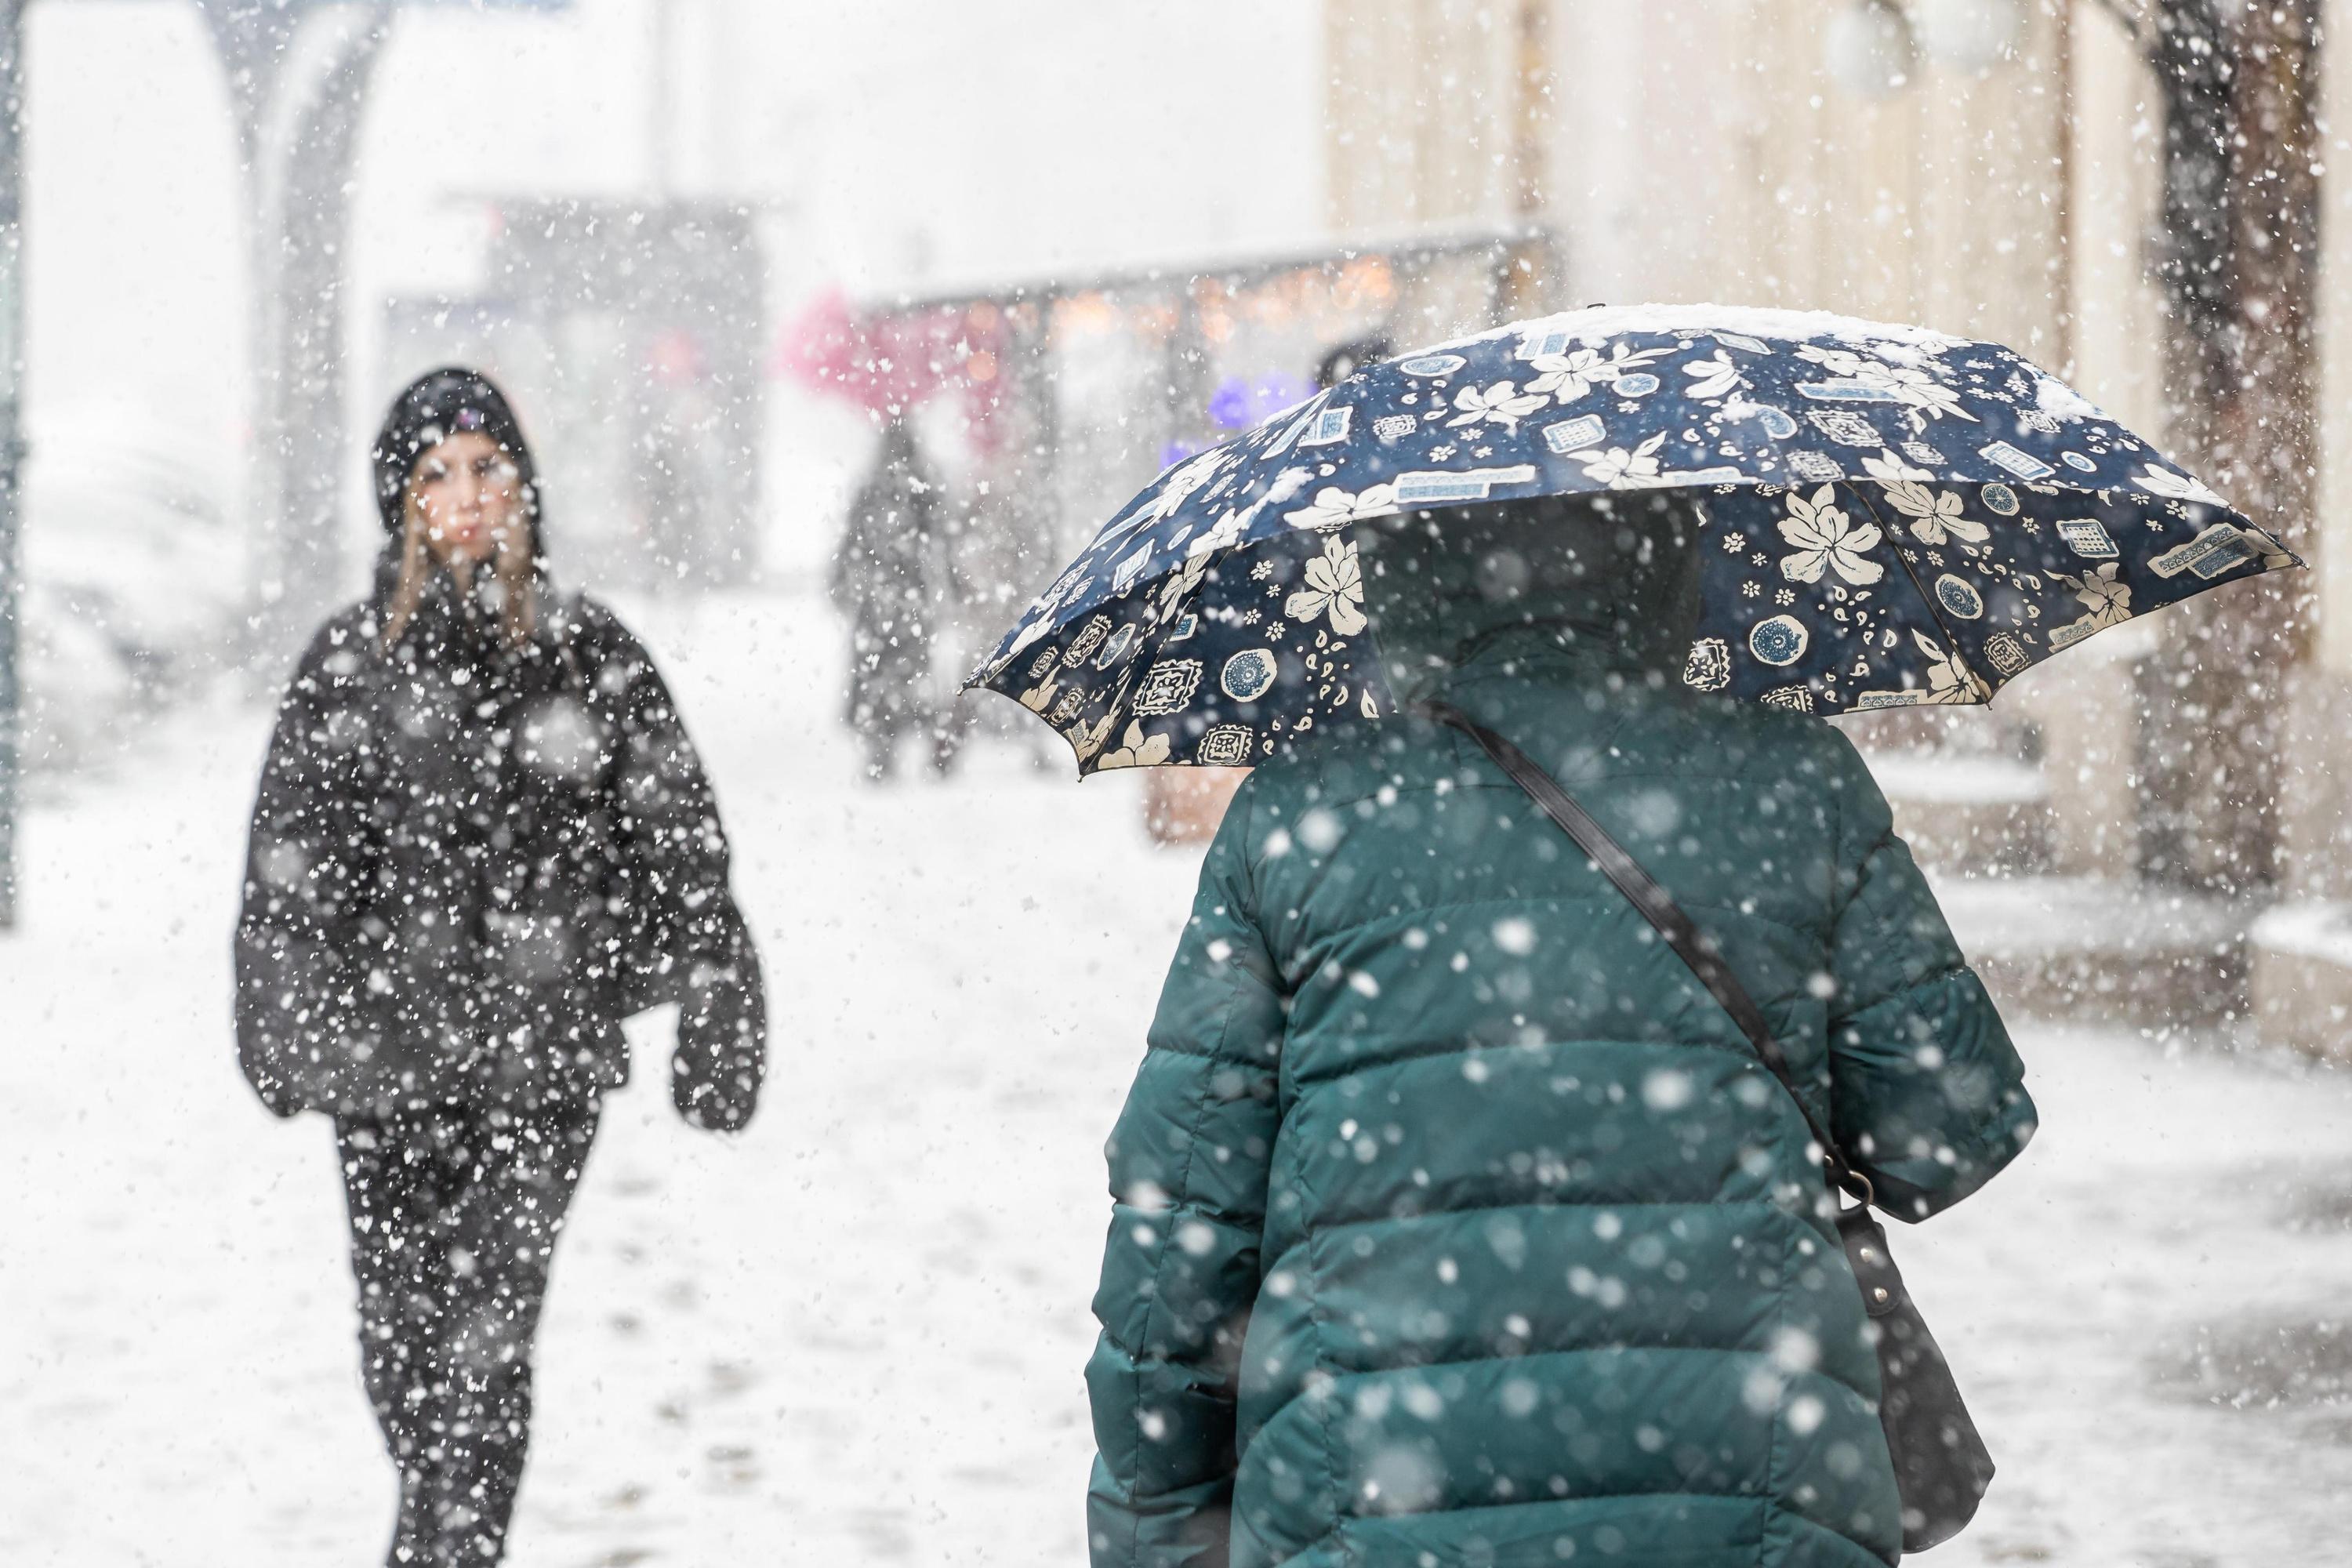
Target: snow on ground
(856, 1334)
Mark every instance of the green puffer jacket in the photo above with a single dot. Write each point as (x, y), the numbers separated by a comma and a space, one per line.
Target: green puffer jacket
(1455, 1222)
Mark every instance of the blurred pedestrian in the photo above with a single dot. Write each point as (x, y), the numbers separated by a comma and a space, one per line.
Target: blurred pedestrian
(894, 576)
(482, 839)
(1455, 1221)
(1343, 359)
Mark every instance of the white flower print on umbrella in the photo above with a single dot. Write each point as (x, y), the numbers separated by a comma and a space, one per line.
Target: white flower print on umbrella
(1502, 402)
(1134, 751)
(1920, 392)
(2176, 487)
(1621, 469)
(1949, 679)
(1227, 530)
(1714, 376)
(1334, 508)
(1177, 490)
(1086, 740)
(1335, 587)
(1827, 539)
(1837, 362)
(1889, 469)
(1569, 376)
(1224, 533)
(1179, 586)
(1935, 514)
(2102, 593)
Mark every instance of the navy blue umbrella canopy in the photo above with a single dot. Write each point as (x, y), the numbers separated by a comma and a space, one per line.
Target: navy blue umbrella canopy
(1889, 517)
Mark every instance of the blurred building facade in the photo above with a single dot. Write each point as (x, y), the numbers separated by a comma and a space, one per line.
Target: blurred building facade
(1993, 168)
(1039, 405)
(632, 335)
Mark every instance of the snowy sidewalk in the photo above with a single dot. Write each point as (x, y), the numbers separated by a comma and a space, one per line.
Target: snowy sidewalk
(856, 1335)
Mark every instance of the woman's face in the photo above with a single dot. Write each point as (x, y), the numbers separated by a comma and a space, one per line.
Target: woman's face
(468, 496)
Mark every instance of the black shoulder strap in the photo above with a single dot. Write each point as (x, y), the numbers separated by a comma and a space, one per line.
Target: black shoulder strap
(1658, 907)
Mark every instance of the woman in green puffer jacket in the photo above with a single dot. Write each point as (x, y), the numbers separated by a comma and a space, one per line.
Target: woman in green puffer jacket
(1455, 1222)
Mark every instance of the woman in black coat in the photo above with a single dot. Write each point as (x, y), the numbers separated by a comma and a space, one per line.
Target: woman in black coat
(482, 839)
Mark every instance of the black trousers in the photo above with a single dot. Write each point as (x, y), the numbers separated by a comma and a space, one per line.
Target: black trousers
(455, 1212)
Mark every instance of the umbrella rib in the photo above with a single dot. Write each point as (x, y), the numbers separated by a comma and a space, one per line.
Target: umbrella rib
(1935, 613)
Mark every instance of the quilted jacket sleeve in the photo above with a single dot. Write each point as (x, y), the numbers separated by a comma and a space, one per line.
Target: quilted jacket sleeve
(693, 947)
(307, 865)
(1189, 1169)
(1927, 1095)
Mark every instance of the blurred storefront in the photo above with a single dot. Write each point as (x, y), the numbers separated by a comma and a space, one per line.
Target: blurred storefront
(1044, 404)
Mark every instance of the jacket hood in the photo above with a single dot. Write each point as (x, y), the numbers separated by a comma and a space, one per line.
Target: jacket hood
(1579, 587)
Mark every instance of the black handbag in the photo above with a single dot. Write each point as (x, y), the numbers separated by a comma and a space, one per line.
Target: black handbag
(1941, 1468)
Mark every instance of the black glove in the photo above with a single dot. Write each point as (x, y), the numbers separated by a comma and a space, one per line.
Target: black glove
(721, 1052)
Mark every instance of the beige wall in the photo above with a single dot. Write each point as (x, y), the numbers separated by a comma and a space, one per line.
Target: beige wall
(1699, 149)
(1753, 175)
(1421, 109)
(2334, 645)
(2118, 148)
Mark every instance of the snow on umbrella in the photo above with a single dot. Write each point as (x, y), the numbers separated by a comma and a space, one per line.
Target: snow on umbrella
(1889, 517)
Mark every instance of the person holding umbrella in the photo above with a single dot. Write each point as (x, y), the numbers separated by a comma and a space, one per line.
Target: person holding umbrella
(482, 838)
(1559, 1000)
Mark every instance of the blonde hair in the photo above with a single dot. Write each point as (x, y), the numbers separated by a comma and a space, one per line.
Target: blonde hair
(517, 574)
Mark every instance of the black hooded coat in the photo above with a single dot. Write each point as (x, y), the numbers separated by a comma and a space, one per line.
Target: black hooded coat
(470, 861)
(894, 578)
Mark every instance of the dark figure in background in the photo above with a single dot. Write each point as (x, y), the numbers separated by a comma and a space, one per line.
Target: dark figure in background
(482, 839)
(894, 578)
(1342, 361)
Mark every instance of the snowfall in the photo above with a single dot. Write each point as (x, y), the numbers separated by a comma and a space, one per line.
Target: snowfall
(854, 1334)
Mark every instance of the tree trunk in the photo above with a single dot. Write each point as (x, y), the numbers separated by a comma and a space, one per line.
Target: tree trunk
(2238, 255)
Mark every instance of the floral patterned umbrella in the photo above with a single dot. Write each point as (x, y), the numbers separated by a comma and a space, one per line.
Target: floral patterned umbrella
(1891, 517)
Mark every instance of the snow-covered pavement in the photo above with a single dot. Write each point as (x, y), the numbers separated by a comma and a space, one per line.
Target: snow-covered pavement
(856, 1334)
